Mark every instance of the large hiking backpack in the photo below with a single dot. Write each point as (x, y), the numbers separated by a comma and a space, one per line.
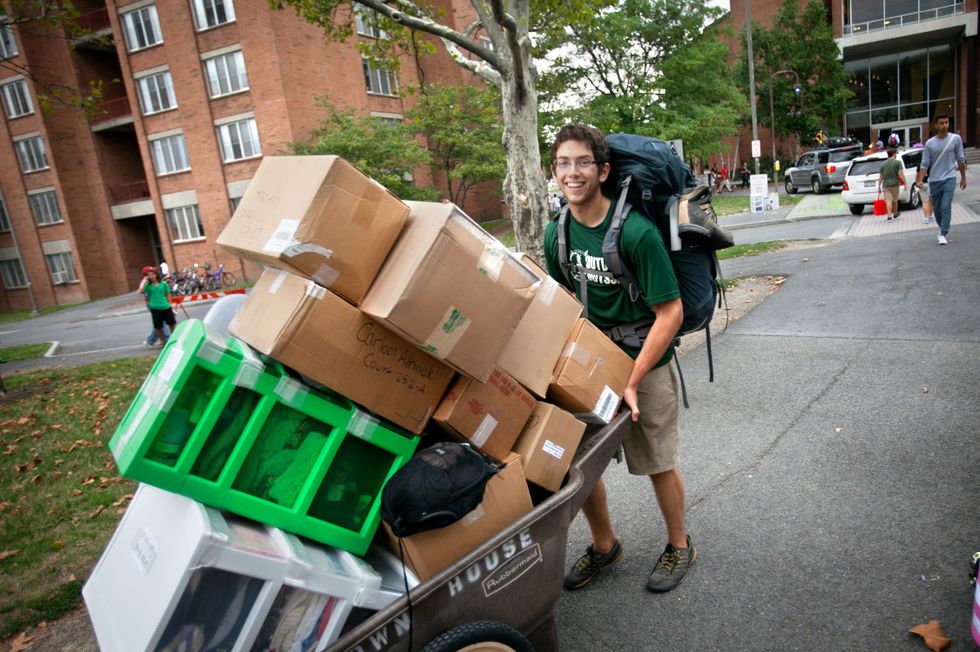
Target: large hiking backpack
(649, 177)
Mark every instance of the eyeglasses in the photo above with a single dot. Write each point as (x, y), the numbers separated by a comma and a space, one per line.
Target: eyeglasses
(582, 163)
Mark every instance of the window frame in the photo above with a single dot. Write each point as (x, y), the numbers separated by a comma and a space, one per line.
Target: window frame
(129, 28)
(20, 271)
(41, 151)
(212, 76)
(366, 23)
(372, 73)
(225, 141)
(5, 225)
(8, 44)
(145, 92)
(25, 95)
(175, 230)
(200, 12)
(157, 153)
(45, 207)
(69, 269)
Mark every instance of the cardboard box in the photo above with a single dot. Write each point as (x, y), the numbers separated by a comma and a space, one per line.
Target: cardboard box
(452, 289)
(320, 335)
(591, 375)
(505, 501)
(489, 415)
(540, 336)
(318, 217)
(547, 445)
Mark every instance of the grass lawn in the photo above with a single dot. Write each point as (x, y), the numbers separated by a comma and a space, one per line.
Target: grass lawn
(20, 315)
(61, 495)
(732, 204)
(750, 249)
(23, 351)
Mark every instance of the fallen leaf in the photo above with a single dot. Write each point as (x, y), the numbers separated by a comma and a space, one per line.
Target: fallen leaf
(22, 642)
(933, 635)
(925, 390)
(806, 260)
(95, 512)
(838, 429)
(123, 500)
(8, 553)
(23, 420)
(76, 492)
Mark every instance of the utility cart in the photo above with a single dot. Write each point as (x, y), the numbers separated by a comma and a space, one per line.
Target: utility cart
(510, 583)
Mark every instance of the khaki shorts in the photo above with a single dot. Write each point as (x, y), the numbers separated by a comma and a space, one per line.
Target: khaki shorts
(891, 194)
(651, 443)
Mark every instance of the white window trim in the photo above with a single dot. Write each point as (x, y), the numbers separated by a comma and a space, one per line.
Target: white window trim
(234, 17)
(234, 118)
(30, 136)
(23, 273)
(123, 11)
(392, 80)
(17, 79)
(43, 191)
(54, 275)
(258, 142)
(164, 136)
(173, 92)
(156, 70)
(197, 215)
(210, 54)
(207, 81)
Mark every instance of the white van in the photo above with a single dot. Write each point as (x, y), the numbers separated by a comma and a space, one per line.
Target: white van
(861, 180)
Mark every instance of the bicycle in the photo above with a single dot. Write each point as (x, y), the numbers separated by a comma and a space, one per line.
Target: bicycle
(217, 279)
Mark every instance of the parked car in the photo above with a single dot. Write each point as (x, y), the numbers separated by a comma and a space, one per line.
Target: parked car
(820, 169)
(861, 180)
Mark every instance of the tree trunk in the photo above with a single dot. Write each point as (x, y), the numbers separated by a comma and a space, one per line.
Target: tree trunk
(525, 189)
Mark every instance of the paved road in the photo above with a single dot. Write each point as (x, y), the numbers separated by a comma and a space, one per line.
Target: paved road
(831, 469)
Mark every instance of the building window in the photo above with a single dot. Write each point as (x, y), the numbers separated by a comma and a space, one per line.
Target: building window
(157, 92)
(234, 201)
(8, 46)
(239, 140)
(17, 99)
(30, 151)
(142, 28)
(366, 22)
(226, 74)
(13, 274)
(44, 205)
(211, 13)
(185, 223)
(169, 154)
(379, 81)
(4, 218)
(62, 268)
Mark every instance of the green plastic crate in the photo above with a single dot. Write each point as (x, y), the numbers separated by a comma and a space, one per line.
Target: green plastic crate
(216, 423)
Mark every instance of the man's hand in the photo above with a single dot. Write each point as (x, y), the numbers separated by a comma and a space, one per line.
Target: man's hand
(630, 399)
(962, 183)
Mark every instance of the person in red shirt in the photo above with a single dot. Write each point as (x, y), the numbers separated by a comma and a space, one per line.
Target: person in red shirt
(726, 184)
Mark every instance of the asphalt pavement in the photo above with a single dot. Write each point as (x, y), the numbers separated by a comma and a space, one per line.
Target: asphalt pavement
(831, 469)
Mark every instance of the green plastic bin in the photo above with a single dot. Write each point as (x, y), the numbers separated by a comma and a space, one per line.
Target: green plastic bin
(216, 423)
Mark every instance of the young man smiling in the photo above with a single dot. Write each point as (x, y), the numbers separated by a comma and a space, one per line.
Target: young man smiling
(580, 163)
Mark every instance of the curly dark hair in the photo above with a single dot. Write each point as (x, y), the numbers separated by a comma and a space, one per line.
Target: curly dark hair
(583, 134)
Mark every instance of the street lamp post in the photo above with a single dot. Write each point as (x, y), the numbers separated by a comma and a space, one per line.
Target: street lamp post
(772, 117)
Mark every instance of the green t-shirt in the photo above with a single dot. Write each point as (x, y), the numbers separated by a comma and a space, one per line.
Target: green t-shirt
(157, 295)
(643, 252)
(891, 171)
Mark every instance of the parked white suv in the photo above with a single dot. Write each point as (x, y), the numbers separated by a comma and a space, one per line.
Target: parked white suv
(861, 180)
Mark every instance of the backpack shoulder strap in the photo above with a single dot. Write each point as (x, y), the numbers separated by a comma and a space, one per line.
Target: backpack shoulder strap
(562, 233)
(610, 245)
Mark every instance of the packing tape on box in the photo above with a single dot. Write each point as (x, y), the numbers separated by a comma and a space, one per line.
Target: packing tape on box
(315, 291)
(492, 260)
(447, 333)
(326, 275)
(546, 292)
(160, 395)
(247, 376)
(169, 366)
(362, 424)
(474, 515)
(483, 432)
(277, 283)
(289, 391)
(577, 354)
(282, 237)
(132, 427)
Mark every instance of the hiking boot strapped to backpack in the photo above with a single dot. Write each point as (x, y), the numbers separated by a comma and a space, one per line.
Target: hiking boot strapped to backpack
(651, 179)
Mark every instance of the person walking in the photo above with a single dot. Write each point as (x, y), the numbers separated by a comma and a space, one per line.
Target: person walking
(151, 339)
(890, 180)
(745, 175)
(726, 183)
(580, 163)
(941, 157)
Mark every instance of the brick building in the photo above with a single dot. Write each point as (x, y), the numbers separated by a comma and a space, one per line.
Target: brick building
(910, 59)
(196, 92)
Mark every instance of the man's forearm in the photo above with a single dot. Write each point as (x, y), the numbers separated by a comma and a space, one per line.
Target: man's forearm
(668, 321)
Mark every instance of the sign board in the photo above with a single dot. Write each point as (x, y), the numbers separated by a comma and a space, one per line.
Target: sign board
(758, 192)
(756, 148)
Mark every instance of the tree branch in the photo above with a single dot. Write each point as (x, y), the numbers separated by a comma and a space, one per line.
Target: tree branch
(518, 51)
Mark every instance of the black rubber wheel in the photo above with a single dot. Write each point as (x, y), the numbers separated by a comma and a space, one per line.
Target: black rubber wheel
(790, 188)
(228, 279)
(914, 199)
(815, 186)
(478, 636)
(856, 209)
